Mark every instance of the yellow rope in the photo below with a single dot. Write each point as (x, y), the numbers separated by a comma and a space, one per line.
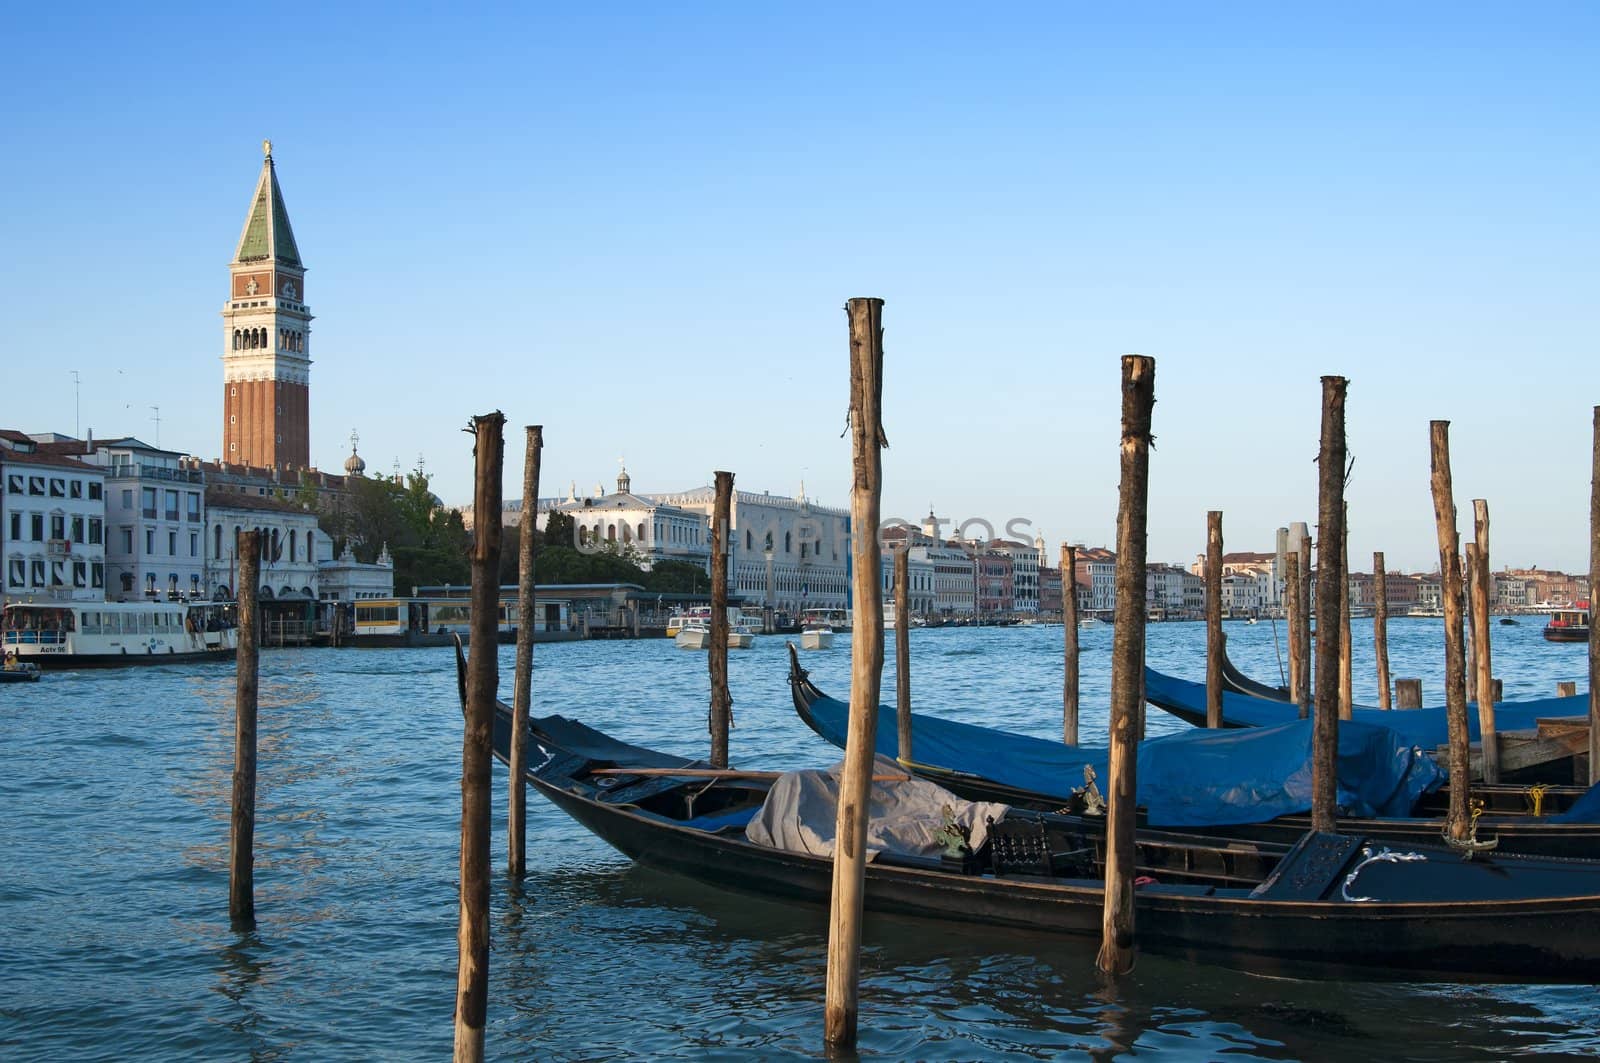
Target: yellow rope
(1536, 798)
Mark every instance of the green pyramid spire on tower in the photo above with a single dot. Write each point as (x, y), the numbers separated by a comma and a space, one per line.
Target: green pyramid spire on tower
(267, 234)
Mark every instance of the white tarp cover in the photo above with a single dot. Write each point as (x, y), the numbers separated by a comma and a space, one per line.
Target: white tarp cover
(802, 808)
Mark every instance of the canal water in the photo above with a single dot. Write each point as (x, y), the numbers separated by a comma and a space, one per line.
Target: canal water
(115, 944)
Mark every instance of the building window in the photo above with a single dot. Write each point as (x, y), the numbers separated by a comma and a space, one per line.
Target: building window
(127, 583)
(77, 529)
(16, 527)
(36, 485)
(216, 539)
(80, 574)
(292, 536)
(16, 484)
(17, 572)
(193, 500)
(97, 574)
(150, 584)
(172, 544)
(58, 526)
(95, 532)
(127, 498)
(75, 489)
(194, 544)
(127, 540)
(150, 540)
(36, 573)
(148, 497)
(172, 505)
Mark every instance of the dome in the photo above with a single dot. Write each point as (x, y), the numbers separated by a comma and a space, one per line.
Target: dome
(353, 465)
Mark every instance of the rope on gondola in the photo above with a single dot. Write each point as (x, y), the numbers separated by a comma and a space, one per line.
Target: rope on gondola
(1470, 845)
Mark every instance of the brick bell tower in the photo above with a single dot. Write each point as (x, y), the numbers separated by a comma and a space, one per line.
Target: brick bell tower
(266, 325)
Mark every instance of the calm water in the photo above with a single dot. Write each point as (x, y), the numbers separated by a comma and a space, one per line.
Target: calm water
(114, 939)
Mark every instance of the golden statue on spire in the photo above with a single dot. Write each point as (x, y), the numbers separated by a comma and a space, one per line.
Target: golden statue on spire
(266, 148)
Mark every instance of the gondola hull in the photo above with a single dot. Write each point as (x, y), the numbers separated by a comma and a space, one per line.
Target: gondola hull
(1528, 940)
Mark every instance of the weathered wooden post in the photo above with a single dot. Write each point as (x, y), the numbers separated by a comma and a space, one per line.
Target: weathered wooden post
(242, 837)
(1483, 663)
(1308, 666)
(866, 672)
(1069, 623)
(1380, 626)
(1330, 577)
(1293, 575)
(721, 697)
(1127, 665)
(1458, 825)
(477, 753)
(1469, 576)
(902, 646)
(1566, 690)
(1346, 697)
(522, 679)
(1408, 693)
(1214, 643)
(1594, 593)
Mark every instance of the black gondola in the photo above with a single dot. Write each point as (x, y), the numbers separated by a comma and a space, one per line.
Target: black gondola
(1520, 817)
(1333, 905)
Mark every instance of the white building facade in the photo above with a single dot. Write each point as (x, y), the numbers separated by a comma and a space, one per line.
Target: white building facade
(785, 553)
(289, 543)
(155, 520)
(52, 524)
(344, 579)
(644, 527)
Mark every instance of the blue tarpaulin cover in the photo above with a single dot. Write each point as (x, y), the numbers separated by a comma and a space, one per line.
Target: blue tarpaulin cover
(1422, 727)
(1585, 809)
(1190, 779)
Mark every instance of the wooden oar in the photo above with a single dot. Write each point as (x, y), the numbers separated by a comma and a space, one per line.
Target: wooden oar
(718, 773)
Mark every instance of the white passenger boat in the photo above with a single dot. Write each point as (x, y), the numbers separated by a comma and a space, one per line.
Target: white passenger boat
(743, 631)
(694, 632)
(816, 633)
(115, 634)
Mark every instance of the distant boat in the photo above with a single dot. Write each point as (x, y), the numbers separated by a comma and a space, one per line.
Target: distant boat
(20, 672)
(1569, 625)
(816, 633)
(1508, 620)
(1091, 622)
(694, 633)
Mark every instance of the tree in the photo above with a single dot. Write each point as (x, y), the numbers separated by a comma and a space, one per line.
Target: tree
(559, 529)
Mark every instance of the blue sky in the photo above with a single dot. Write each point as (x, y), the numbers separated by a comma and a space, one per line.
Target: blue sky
(637, 225)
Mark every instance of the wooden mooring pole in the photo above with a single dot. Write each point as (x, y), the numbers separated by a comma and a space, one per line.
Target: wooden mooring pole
(1214, 643)
(1346, 695)
(1293, 575)
(522, 678)
(1127, 665)
(1308, 667)
(721, 719)
(1380, 626)
(242, 836)
(902, 646)
(1330, 578)
(866, 672)
(1408, 693)
(1458, 824)
(1069, 635)
(477, 752)
(1483, 662)
(1594, 591)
